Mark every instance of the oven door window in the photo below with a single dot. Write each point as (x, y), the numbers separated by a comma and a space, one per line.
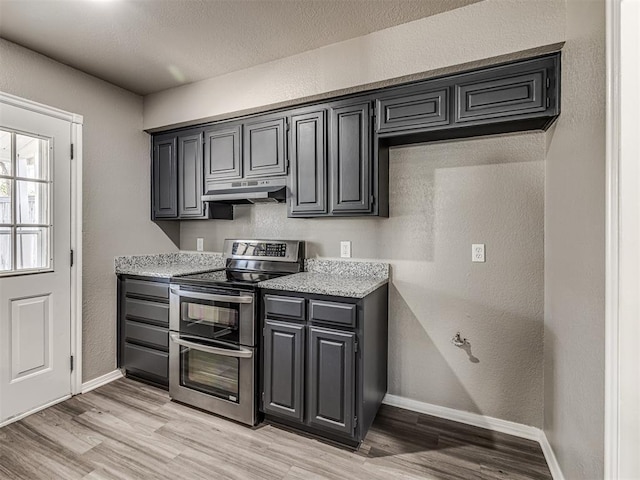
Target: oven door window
(209, 319)
(209, 373)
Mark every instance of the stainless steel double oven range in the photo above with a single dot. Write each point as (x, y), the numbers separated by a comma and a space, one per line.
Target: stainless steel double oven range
(213, 320)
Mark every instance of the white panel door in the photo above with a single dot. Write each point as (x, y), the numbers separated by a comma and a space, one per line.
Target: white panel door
(35, 271)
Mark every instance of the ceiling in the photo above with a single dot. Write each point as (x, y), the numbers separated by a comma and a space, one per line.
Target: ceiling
(150, 45)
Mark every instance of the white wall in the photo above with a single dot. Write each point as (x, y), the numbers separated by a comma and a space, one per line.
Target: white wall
(574, 251)
(116, 183)
(476, 32)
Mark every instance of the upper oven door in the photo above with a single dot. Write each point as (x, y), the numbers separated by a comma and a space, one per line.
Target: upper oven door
(215, 314)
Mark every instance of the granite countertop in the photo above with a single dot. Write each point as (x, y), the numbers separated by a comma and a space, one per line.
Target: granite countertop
(167, 265)
(337, 278)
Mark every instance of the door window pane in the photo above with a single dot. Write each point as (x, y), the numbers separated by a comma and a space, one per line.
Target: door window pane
(5, 201)
(5, 153)
(25, 203)
(33, 202)
(5, 248)
(32, 247)
(32, 156)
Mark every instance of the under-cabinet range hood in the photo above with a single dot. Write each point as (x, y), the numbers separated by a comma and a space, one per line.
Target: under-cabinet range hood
(268, 190)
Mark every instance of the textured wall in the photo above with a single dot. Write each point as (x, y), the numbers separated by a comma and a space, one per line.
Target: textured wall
(486, 29)
(115, 182)
(444, 197)
(574, 251)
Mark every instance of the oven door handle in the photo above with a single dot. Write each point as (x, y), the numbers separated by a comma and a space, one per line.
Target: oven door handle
(213, 297)
(239, 353)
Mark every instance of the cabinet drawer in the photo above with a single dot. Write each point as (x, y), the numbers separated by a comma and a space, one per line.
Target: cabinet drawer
(146, 360)
(413, 111)
(290, 307)
(153, 312)
(514, 93)
(150, 335)
(148, 289)
(331, 312)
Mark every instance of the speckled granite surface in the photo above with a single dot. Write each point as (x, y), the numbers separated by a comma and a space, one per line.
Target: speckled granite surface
(326, 284)
(334, 277)
(167, 265)
(347, 267)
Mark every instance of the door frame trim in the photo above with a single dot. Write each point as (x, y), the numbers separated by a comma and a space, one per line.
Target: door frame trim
(76, 122)
(622, 420)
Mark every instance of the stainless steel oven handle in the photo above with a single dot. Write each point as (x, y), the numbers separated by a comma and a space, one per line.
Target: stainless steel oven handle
(212, 297)
(240, 353)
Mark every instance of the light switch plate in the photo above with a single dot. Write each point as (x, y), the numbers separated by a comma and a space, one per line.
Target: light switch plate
(477, 252)
(345, 249)
(200, 244)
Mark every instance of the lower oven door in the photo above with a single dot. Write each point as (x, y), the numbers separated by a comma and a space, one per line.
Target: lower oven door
(214, 376)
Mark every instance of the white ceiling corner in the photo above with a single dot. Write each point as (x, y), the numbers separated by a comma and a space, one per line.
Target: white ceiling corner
(146, 46)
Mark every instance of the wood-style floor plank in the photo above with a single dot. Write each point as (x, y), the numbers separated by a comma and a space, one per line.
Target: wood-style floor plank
(129, 430)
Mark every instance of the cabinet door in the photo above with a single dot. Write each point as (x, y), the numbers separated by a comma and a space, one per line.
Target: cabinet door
(331, 390)
(222, 153)
(350, 158)
(283, 370)
(263, 148)
(190, 168)
(413, 109)
(504, 91)
(165, 180)
(308, 183)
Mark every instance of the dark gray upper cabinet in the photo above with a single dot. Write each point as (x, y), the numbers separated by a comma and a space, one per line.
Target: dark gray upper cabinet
(164, 177)
(223, 153)
(331, 379)
(177, 176)
(264, 147)
(413, 108)
(339, 148)
(308, 177)
(284, 369)
(499, 93)
(350, 159)
(190, 185)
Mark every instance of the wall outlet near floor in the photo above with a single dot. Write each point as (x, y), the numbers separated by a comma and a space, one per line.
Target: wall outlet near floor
(477, 252)
(345, 249)
(200, 244)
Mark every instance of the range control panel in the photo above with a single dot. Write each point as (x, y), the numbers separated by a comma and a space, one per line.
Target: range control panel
(259, 249)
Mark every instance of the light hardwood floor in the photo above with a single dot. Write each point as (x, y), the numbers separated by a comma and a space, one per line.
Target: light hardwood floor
(130, 430)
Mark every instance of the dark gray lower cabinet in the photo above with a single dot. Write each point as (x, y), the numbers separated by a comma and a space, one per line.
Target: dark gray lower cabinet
(331, 379)
(325, 372)
(143, 328)
(284, 369)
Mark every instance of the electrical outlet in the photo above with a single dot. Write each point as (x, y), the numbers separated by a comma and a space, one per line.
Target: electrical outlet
(200, 244)
(477, 252)
(345, 249)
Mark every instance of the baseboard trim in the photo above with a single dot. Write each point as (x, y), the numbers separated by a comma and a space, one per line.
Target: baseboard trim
(35, 410)
(550, 457)
(490, 423)
(100, 381)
